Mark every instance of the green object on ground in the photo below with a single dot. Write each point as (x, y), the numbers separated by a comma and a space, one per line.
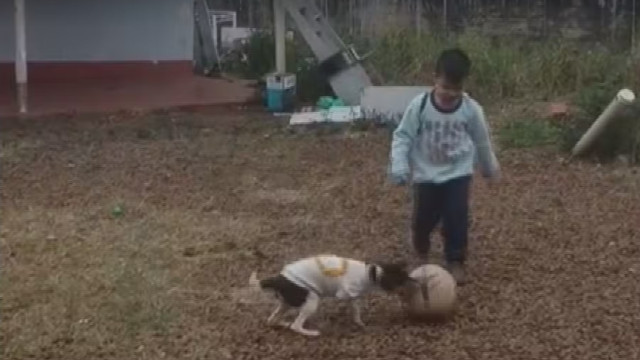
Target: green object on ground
(337, 102)
(324, 102)
(327, 102)
(117, 211)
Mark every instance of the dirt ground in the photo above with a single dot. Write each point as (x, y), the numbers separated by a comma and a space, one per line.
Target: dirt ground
(207, 197)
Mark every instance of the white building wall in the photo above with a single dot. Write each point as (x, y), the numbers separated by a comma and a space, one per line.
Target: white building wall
(101, 30)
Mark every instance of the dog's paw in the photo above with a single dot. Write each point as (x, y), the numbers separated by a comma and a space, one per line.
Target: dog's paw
(284, 324)
(358, 321)
(306, 332)
(312, 333)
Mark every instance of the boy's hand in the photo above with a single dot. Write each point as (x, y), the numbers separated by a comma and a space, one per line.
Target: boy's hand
(494, 179)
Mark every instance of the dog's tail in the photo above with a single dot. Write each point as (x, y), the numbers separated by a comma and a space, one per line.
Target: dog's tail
(268, 284)
(254, 283)
(251, 294)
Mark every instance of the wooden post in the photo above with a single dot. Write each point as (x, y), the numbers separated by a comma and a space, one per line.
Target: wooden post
(622, 99)
(21, 55)
(445, 9)
(250, 12)
(279, 33)
(633, 30)
(418, 18)
(351, 17)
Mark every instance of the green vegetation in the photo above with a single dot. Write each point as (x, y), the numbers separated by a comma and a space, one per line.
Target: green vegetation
(505, 69)
(527, 133)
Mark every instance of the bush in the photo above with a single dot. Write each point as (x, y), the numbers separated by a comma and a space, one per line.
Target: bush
(256, 59)
(509, 68)
(504, 67)
(528, 133)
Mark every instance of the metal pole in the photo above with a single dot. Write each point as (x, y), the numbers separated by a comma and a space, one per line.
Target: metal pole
(418, 18)
(21, 55)
(633, 30)
(444, 15)
(214, 31)
(279, 33)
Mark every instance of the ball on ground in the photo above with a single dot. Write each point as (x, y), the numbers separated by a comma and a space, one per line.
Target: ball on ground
(433, 295)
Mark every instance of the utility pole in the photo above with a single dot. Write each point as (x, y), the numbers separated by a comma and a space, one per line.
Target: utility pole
(21, 55)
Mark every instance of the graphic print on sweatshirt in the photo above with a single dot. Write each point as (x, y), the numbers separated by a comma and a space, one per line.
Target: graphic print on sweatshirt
(445, 139)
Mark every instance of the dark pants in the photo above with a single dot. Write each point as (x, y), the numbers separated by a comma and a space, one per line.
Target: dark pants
(449, 202)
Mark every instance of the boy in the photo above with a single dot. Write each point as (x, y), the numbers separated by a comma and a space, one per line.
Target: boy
(441, 136)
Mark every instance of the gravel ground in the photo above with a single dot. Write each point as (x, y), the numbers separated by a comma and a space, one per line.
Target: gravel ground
(208, 197)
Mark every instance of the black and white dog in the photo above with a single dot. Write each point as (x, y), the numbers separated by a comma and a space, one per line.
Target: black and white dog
(303, 283)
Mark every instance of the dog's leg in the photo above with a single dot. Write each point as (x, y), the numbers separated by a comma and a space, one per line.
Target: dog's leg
(273, 318)
(357, 318)
(307, 309)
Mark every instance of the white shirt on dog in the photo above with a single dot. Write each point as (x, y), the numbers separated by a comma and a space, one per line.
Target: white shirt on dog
(329, 276)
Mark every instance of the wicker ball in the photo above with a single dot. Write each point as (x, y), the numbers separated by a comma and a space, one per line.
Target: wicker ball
(433, 296)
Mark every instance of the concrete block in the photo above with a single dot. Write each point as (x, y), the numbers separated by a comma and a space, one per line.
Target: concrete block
(388, 103)
(336, 114)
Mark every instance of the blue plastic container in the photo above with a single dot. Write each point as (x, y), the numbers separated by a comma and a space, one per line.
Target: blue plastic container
(281, 92)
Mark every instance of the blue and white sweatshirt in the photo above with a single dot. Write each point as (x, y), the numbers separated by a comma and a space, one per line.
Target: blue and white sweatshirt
(436, 145)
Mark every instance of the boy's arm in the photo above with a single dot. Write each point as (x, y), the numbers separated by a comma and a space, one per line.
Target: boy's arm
(479, 132)
(403, 137)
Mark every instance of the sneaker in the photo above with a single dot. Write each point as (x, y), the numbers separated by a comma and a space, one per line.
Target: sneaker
(458, 272)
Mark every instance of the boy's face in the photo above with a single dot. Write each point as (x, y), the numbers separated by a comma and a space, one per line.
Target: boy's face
(447, 93)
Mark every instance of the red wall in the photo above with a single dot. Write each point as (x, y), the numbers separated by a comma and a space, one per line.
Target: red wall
(41, 72)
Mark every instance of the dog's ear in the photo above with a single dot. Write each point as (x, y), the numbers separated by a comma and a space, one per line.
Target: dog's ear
(373, 276)
(253, 279)
(375, 272)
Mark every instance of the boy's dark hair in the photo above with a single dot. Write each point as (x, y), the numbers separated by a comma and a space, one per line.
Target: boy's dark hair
(454, 64)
